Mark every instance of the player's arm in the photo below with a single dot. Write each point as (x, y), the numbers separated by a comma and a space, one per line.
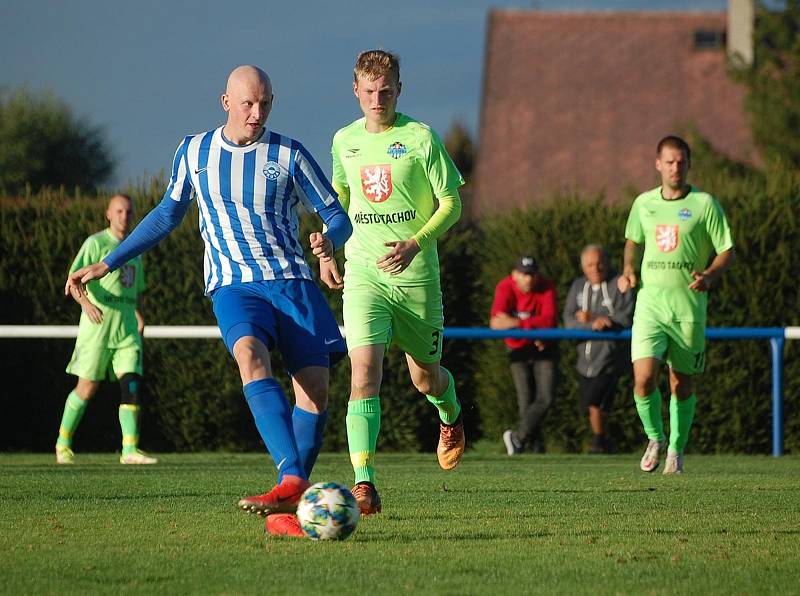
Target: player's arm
(403, 252)
(719, 232)
(631, 261)
(337, 229)
(139, 316)
(703, 280)
(328, 268)
(88, 253)
(623, 310)
(153, 228)
(87, 306)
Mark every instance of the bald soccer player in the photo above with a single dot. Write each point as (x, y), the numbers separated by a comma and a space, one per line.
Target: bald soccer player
(248, 182)
(109, 343)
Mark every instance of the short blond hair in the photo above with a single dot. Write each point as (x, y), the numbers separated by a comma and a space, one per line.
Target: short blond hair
(376, 63)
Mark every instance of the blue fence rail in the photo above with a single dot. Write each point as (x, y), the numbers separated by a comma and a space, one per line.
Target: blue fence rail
(776, 336)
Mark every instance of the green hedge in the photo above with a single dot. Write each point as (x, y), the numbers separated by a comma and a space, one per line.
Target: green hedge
(194, 399)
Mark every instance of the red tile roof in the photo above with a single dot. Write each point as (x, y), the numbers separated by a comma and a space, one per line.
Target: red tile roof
(579, 101)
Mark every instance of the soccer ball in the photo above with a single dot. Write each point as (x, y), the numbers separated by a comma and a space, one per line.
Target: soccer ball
(328, 511)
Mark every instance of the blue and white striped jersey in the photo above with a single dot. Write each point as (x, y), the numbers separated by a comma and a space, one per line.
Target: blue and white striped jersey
(247, 198)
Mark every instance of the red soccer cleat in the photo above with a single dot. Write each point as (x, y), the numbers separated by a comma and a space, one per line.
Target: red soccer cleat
(283, 524)
(282, 498)
(367, 498)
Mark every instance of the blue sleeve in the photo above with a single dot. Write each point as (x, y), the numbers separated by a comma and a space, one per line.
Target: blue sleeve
(151, 230)
(313, 188)
(338, 224)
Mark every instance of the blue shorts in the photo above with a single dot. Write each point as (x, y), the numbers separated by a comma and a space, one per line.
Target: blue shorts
(288, 314)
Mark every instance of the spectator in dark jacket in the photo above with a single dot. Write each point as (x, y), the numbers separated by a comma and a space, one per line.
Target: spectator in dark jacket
(595, 303)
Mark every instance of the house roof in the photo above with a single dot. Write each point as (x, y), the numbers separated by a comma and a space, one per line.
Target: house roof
(580, 100)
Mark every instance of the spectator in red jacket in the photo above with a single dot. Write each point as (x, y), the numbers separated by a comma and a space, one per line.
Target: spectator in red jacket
(527, 300)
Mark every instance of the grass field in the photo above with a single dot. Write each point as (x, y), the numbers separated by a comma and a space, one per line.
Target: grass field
(495, 525)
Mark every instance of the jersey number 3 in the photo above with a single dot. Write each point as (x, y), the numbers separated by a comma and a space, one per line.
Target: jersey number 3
(435, 340)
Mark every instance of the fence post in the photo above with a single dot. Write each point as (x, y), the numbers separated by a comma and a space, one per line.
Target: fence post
(776, 343)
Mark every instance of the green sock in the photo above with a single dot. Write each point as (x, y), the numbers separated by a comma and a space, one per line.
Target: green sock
(129, 423)
(681, 414)
(447, 404)
(649, 409)
(363, 425)
(73, 412)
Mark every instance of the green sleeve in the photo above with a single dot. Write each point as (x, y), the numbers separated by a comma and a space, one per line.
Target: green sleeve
(717, 226)
(443, 218)
(443, 175)
(87, 255)
(339, 179)
(633, 229)
(344, 195)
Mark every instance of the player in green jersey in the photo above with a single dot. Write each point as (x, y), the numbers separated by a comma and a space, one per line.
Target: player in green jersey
(390, 171)
(109, 337)
(680, 228)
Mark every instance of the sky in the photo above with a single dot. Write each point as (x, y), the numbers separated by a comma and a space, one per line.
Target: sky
(152, 71)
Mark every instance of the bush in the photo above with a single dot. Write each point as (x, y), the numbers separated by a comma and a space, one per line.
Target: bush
(194, 393)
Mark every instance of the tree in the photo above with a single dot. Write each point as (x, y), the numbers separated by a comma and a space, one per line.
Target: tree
(459, 145)
(42, 143)
(773, 82)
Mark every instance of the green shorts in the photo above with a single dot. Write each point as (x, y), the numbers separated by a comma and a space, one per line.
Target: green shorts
(376, 313)
(682, 342)
(92, 363)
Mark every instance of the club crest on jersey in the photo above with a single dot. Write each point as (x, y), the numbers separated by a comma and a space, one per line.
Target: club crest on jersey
(127, 275)
(667, 237)
(684, 214)
(271, 170)
(397, 150)
(376, 182)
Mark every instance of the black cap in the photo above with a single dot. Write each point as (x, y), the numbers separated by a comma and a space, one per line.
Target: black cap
(526, 265)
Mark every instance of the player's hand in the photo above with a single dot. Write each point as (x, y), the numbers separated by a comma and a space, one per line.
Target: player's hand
(539, 345)
(139, 322)
(95, 314)
(601, 323)
(583, 316)
(399, 257)
(701, 283)
(321, 246)
(626, 281)
(78, 280)
(87, 306)
(329, 274)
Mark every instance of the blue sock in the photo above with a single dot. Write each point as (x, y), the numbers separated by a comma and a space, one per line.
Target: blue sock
(308, 428)
(274, 422)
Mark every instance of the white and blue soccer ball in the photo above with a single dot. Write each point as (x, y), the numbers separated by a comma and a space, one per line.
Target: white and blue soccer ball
(328, 511)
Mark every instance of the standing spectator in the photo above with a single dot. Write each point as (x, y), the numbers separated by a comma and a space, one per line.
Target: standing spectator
(527, 300)
(594, 302)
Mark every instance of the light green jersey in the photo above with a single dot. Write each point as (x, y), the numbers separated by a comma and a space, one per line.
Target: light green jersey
(679, 237)
(115, 295)
(387, 183)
